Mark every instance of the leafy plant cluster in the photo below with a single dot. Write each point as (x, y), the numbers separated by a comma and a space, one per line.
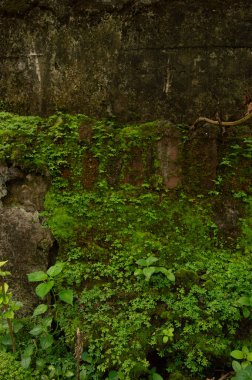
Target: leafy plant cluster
(142, 273)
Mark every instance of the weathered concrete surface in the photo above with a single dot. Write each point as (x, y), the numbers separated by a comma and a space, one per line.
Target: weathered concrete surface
(23, 240)
(136, 60)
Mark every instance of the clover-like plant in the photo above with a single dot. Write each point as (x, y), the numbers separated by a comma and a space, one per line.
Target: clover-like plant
(148, 269)
(244, 355)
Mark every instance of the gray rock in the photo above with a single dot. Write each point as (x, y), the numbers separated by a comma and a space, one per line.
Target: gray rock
(24, 242)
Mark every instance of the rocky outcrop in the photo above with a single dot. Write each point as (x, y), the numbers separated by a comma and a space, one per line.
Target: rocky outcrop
(134, 60)
(24, 242)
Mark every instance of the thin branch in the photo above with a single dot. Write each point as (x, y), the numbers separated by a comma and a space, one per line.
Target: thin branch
(222, 123)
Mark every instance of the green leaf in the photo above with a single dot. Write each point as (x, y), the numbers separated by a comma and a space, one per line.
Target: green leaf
(141, 262)
(40, 309)
(69, 374)
(2, 263)
(249, 356)
(6, 287)
(245, 351)
(244, 301)
(156, 376)
(165, 339)
(43, 289)
(37, 276)
(245, 364)
(138, 272)
(66, 295)
(148, 272)
(47, 321)
(151, 260)
(236, 366)
(168, 273)
(28, 351)
(244, 374)
(236, 354)
(83, 374)
(9, 314)
(17, 326)
(245, 312)
(113, 375)
(55, 269)
(46, 341)
(6, 340)
(86, 358)
(25, 362)
(37, 330)
(4, 273)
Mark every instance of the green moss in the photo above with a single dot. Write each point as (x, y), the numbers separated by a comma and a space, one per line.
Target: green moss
(10, 369)
(106, 225)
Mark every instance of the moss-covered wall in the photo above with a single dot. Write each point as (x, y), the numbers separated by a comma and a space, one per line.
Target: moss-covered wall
(152, 224)
(136, 60)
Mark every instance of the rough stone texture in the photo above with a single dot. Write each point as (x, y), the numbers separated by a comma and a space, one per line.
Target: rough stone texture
(169, 154)
(136, 60)
(23, 240)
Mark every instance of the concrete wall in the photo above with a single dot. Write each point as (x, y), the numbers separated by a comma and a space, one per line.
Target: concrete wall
(135, 60)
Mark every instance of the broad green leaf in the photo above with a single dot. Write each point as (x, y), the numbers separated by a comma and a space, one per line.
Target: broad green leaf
(113, 375)
(156, 376)
(17, 326)
(244, 374)
(142, 262)
(6, 298)
(236, 366)
(25, 362)
(151, 260)
(47, 321)
(69, 374)
(245, 350)
(244, 301)
(245, 312)
(2, 263)
(6, 340)
(40, 309)
(168, 273)
(55, 269)
(37, 276)
(249, 356)
(148, 272)
(6, 287)
(245, 364)
(37, 330)
(83, 374)
(16, 305)
(46, 341)
(9, 314)
(43, 289)
(28, 351)
(4, 273)
(236, 354)
(66, 295)
(165, 339)
(138, 272)
(86, 358)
